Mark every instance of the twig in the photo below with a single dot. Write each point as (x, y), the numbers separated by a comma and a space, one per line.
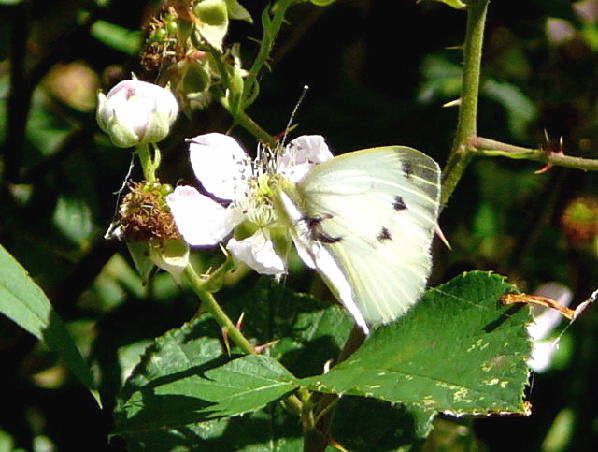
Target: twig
(461, 153)
(485, 146)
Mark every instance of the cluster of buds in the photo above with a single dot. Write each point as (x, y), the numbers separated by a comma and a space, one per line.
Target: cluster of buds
(185, 47)
(162, 46)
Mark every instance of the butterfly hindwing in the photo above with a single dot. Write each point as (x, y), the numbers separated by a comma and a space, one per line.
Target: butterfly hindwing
(366, 221)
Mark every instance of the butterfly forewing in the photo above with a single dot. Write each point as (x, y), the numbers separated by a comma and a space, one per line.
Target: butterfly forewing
(372, 214)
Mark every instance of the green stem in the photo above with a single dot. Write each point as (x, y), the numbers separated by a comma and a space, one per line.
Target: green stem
(485, 146)
(461, 153)
(252, 127)
(157, 160)
(271, 27)
(145, 158)
(212, 306)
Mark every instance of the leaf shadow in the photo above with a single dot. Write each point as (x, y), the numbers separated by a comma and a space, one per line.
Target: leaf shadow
(233, 433)
(309, 359)
(490, 327)
(161, 412)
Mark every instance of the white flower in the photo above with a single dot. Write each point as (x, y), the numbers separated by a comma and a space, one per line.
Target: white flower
(135, 112)
(545, 321)
(227, 173)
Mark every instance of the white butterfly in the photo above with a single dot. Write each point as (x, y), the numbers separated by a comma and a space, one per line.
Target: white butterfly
(365, 220)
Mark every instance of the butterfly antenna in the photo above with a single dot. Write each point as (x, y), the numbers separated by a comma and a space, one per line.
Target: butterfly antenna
(293, 113)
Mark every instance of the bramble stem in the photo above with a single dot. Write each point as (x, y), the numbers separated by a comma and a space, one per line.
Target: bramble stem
(485, 146)
(461, 153)
(271, 27)
(145, 158)
(252, 127)
(210, 304)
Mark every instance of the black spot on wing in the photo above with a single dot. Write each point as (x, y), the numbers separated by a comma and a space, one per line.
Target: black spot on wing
(407, 169)
(384, 234)
(314, 224)
(326, 238)
(399, 204)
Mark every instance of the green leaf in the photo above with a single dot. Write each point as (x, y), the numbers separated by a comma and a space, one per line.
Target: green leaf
(170, 396)
(22, 301)
(458, 351)
(395, 424)
(140, 253)
(240, 386)
(117, 37)
(308, 332)
(271, 430)
(181, 381)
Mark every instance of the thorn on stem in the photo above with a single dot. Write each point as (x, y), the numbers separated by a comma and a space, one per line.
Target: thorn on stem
(259, 349)
(453, 103)
(549, 149)
(239, 324)
(224, 332)
(441, 236)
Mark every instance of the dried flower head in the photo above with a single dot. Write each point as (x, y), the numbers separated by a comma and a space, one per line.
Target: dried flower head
(145, 216)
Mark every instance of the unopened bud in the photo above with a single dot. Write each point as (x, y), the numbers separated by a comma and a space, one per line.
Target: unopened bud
(135, 112)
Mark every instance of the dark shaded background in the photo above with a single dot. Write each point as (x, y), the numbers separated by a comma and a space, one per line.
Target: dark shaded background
(378, 72)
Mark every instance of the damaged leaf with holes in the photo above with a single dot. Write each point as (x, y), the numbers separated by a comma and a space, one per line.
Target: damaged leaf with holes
(459, 351)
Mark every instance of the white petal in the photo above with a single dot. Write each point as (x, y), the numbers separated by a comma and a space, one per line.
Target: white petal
(220, 164)
(199, 219)
(542, 354)
(301, 155)
(545, 319)
(258, 253)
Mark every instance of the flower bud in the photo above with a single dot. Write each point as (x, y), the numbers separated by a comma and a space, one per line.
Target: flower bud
(135, 112)
(212, 17)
